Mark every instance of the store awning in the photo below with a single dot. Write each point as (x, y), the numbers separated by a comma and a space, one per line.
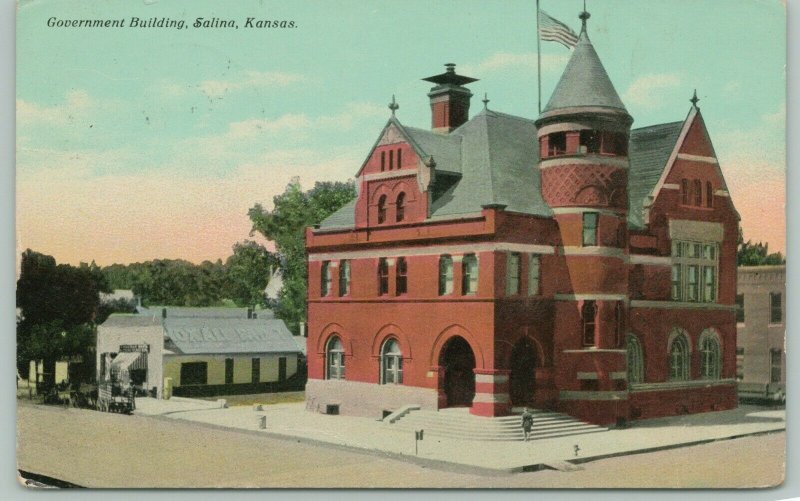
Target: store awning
(129, 360)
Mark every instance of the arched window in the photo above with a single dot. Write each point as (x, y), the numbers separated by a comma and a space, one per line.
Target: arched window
(344, 278)
(402, 276)
(709, 195)
(325, 279)
(401, 206)
(383, 276)
(698, 193)
(391, 363)
(685, 191)
(382, 209)
(678, 356)
(589, 318)
(635, 360)
(445, 275)
(334, 356)
(710, 366)
(469, 275)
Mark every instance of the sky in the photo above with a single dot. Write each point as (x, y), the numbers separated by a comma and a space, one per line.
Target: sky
(142, 143)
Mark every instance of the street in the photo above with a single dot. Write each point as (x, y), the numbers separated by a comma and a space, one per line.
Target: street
(94, 449)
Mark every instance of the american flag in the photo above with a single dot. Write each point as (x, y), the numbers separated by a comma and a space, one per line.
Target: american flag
(553, 30)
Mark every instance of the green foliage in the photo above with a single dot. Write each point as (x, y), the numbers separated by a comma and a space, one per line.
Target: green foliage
(59, 304)
(248, 272)
(294, 211)
(756, 254)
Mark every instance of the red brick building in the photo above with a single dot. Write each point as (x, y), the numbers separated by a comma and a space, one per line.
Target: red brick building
(568, 262)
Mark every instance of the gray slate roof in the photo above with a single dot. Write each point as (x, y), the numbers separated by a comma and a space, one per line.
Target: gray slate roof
(649, 150)
(584, 81)
(498, 166)
(228, 336)
(204, 312)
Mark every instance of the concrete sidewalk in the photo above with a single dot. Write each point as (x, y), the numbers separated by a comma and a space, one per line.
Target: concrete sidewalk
(292, 420)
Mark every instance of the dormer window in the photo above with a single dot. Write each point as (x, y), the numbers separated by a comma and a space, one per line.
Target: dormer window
(400, 206)
(698, 193)
(382, 209)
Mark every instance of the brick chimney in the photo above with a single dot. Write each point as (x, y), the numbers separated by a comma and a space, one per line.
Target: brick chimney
(449, 99)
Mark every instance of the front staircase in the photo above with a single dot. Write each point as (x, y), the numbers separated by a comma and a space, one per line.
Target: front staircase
(460, 424)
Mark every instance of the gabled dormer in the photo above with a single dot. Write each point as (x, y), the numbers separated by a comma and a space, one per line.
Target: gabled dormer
(691, 185)
(394, 180)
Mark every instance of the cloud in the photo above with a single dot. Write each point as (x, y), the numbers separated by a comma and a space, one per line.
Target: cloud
(249, 80)
(643, 92)
(76, 105)
(504, 61)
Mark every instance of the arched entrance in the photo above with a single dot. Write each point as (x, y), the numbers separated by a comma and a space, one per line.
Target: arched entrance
(458, 362)
(523, 373)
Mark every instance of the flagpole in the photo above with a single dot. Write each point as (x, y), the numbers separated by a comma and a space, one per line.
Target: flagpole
(538, 57)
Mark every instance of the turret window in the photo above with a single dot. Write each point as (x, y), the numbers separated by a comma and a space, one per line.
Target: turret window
(605, 143)
(589, 229)
(557, 144)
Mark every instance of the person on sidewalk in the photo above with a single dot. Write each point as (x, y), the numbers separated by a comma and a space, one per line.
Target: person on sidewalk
(527, 423)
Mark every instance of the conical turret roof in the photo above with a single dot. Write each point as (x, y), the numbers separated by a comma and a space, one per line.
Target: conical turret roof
(584, 82)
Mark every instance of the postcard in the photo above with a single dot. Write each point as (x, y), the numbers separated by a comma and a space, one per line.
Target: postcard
(426, 244)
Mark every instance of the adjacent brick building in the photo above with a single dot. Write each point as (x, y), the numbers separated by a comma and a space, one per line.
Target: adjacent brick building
(568, 262)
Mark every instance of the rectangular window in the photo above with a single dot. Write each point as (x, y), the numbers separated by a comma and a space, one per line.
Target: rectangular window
(698, 193)
(391, 159)
(256, 370)
(512, 274)
(692, 283)
(445, 275)
(776, 365)
(589, 141)
(709, 195)
(589, 318)
(344, 278)
(677, 282)
(228, 371)
(402, 276)
(709, 284)
(533, 275)
(685, 191)
(469, 275)
(194, 373)
(740, 308)
(739, 363)
(383, 277)
(589, 229)
(325, 279)
(775, 307)
(399, 158)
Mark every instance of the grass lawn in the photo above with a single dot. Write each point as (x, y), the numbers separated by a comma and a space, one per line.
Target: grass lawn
(261, 398)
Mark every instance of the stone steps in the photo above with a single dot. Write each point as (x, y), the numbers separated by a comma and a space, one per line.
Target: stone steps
(459, 424)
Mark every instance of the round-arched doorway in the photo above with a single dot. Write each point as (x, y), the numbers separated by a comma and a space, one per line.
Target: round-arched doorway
(458, 362)
(522, 380)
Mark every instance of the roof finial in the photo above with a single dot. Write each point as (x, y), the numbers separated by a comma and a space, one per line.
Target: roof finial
(393, 105)
(694, 100)
(485, 101)
(584, 17)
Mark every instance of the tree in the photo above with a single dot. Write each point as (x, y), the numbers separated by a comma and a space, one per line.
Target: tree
(248, 271)
(756, 254)
(285, 225)
(59, 305)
